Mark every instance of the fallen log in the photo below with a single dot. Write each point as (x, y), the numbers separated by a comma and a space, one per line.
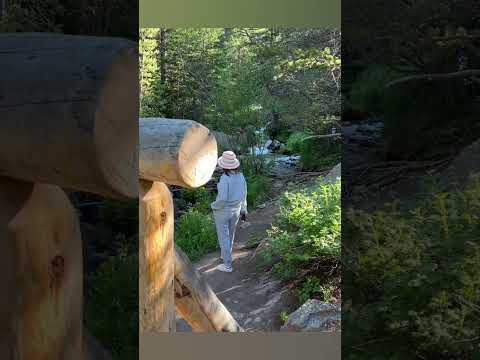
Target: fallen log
(431, 77)
(69, 112)
(156, 258)
(197, 303)
(176, 152)
(41, 302)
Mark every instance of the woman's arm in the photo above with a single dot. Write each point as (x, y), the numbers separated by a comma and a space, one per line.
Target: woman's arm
(243, 208)
(222, 194)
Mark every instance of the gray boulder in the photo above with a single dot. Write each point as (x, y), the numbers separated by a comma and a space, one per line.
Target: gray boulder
(334, 174)
(314, 315)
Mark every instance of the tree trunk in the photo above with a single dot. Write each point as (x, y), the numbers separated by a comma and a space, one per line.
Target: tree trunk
(176, 152)
(197, 303)
(41, 257)
(162, 53)
(156, 258)
(3, 9)
(69, 112)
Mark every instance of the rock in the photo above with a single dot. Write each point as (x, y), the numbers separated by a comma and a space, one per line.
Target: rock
(274, 145)
(463, 166)
(314, 315)
(334, 174)
(244, 224)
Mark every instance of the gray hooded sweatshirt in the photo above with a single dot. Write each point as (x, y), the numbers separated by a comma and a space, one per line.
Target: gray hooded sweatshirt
(232, 193)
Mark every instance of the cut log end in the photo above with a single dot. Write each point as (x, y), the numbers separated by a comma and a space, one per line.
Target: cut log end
(116, 127)
(176, 152)
(197, 157)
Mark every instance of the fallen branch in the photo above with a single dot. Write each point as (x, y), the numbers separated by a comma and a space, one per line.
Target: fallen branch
(430, 77)
(322, 136)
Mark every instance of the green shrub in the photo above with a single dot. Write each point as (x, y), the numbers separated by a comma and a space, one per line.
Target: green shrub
(195, 234)
(307, 230)
(295, 141)
(258, 189)
(415, 276)
(255, 165)
(315, 154)
(424, 118)
(111, 309)
(318, 154)
(367, 91)
(120, 215)
(200, 198)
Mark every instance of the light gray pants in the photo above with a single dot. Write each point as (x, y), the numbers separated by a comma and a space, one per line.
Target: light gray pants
(226, 221)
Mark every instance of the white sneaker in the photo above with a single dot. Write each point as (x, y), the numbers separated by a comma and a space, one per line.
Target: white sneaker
(224, 268)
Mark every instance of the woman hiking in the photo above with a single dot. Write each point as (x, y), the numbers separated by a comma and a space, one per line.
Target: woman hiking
(230, 205)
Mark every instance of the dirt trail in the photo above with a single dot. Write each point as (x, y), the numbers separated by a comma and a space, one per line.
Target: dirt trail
(253, 296)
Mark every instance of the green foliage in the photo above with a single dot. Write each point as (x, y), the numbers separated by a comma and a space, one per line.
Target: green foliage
(295, 141)
(443, 113)
(252, 165)
(111, 309)
(315, 154)
(367, 93)
(234, 79)
(307, 232)
(415, 276)
(309, 290)
(120, 215)
(199, 198)
(258, 189)
(312, 288)
(256, 170)
(88, 17)
(195, 233)
(284, 316)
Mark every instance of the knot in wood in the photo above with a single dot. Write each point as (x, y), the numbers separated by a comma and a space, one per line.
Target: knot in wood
(163, 218)
(58, 267)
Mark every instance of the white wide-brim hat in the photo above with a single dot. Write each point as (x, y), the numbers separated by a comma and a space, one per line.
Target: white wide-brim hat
(228, 160)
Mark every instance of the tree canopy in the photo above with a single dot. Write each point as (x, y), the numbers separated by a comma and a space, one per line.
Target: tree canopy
(236, 79)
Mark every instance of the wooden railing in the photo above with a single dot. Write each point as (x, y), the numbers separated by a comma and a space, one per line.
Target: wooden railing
(68, 108)
(182, 153)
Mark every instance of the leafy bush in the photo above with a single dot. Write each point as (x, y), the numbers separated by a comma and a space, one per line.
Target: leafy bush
(200, 198)
(120, 215)
(111, 309)
(367, 91)
(307, 234)
(255, 165)
(415, 276)
(195, 233)
(315, 153)
(442, 112)
(295, 141)
(258, 189)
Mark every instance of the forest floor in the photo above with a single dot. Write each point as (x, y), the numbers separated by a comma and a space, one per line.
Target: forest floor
(253, 294)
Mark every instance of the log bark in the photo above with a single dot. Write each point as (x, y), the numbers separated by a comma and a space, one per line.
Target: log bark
(41, 257)
(69, 112)
(197, 303)
(156, 258)
(176, 152)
